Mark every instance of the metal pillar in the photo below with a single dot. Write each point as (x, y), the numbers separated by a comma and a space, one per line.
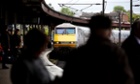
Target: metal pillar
(119, 28)
(103, 9)
(2, 18)
(1, 11)
(32, 26)
(6, 17)
(24, 27)
(15, 20)
(131, 11)
(38, 19)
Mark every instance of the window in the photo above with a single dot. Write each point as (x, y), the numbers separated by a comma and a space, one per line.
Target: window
(65, 30)
(60, 31)
(70, 30)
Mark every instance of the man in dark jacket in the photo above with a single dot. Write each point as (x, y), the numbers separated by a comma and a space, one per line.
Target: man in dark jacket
(16, 43)
(99, 61)
(132, 48)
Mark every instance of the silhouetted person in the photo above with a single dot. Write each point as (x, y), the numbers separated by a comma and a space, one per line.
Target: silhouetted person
(29, 69)
(5, 42)
(49, 44)
(132, 48)
(16, 43)
(10, 37)
(99, 61)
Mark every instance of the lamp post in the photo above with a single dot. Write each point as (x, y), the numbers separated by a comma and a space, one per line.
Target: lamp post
(119, 27)
(119, 17)
(131, 11)
(103, 9)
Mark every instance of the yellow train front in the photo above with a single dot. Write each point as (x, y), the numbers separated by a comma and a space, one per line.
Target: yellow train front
(65, 35)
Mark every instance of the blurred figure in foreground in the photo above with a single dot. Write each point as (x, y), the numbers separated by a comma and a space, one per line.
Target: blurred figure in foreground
(132, 48)
(99, 61)
(29, 69)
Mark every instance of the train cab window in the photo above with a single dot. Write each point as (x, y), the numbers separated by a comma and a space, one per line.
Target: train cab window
(60, 31)
(70, 30)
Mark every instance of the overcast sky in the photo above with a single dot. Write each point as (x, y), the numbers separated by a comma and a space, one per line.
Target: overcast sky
(96, 8)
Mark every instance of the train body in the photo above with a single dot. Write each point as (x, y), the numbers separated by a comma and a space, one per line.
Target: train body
(69, 35)
(115, 35)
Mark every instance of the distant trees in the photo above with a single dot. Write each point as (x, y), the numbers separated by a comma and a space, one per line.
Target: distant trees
(121, 8)
(67, 11)
(134, 16)
(64, 10)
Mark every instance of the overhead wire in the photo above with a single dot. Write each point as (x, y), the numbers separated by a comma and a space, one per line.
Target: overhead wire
(71, 5)
(74, 2)
(92, 5)
(85, 8)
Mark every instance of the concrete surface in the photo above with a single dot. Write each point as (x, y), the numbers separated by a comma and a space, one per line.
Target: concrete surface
(5, 75)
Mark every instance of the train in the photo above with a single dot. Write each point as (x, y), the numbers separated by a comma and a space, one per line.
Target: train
(69, 35)
(123, 35)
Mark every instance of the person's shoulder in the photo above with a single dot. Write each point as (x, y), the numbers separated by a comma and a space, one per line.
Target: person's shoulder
(113, 47)
(108, 44)
(117, 50)
(129, 41)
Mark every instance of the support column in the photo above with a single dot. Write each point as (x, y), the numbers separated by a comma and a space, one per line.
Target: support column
(38, 22)
(103, 7)
(119, 27)
(6, 17)
(15, 20)
(24, 26)
(131, 11)
(2, 22)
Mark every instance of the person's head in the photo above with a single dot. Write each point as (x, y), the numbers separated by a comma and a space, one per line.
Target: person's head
(17, 32)
(136, 28)
(10, 31)
(35, 41)
(100, 25)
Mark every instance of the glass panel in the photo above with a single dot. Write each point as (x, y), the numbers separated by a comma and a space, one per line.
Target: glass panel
(70, 30)
(60, 31)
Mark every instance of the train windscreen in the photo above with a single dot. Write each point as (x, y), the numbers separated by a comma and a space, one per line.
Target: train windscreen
(60, 30)
(70, 30)
(65, 30)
